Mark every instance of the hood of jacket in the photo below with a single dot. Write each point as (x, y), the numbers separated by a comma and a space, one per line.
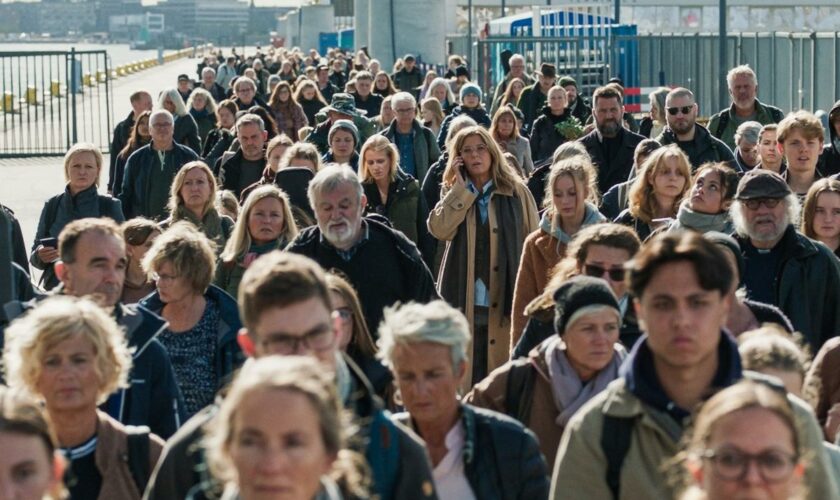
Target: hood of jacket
(591, 215)
(834, 114)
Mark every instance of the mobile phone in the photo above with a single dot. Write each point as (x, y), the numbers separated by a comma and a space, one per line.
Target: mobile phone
(49, 242)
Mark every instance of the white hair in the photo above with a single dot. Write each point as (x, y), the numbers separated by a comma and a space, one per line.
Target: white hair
(250, 119)
(518, 57)
(161, 112)
(450, 96)
(435, 322)
(742, 70)
(748, 131)
(177, 100)
(208, 98)
(742, 227)
(244, 79)
(208, 69)
(403, 97)
(330, 178)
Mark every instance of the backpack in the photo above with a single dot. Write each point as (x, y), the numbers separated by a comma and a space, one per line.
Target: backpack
(138, 455)
(775, 113)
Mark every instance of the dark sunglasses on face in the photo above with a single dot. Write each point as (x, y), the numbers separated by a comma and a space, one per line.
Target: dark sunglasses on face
(615, 274)
(682, 109)
(767, 202)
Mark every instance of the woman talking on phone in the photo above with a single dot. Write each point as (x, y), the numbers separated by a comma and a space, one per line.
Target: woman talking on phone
(484, 215)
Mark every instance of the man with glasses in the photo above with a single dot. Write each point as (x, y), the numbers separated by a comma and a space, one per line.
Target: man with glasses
(416, 143)
(781, 266)
(286, 310)
(149, 171)
(245, 92)
(381, 263)
(517, 70)
(682, 129)
(617, 445)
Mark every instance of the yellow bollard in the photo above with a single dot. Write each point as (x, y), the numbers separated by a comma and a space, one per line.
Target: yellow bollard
(86, 80)
(8, 102)
(114, 74)
(31, 95)
(55, 88)
(101, 76)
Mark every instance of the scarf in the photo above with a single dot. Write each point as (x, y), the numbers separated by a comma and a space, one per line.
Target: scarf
(257, 250)
(570, 392)
(688, 218)
(591, 215)
(199, 114)
(210, 225)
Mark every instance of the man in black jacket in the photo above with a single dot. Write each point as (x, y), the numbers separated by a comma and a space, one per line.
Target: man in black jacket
(140, 101)
(208, 83)
(93, 262)
(381, 263)
(576, 103)
(366, 101)
(246, 166)
(830, 158)
(409, 78)
(286, 310)
(682, 130)
(610, 145)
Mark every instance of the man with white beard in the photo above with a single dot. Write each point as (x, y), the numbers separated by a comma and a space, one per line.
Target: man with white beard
(382, 264)
(781, 266)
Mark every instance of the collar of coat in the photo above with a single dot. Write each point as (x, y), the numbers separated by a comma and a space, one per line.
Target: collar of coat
(793, 244)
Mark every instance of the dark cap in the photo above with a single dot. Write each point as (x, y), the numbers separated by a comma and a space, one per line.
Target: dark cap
(577, 293)
(566, 81)
(408, 57)
(183, 78)
(548, 70)
(759, 183)
(462, 70)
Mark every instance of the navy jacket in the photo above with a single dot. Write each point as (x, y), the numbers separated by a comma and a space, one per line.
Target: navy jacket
(133, 194)
(228, 355)
(502, 459)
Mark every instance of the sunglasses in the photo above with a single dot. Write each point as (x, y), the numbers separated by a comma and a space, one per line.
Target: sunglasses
(680, 109)
(767, 202)
(615, 274)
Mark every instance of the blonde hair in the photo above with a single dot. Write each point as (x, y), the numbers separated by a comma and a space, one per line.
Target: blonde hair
(379, 143)
(240, 238)
(294, 374)
(494, 126)
(175, 198)
(504, 177)
(53, 321)
(809, 207)
(189, 252)
(277, 141)
(361, 340)
(582, 172)
(806, 123)
(301, 151)
(641, 198)
(83, 147)
(433, 105)
(210, 105)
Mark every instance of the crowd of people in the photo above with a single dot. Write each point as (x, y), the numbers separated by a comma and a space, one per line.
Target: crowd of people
(309, 278)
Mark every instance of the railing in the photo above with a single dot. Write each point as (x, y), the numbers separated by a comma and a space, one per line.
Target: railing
(794, 70)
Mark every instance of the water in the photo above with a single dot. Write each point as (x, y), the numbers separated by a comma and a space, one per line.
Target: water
(119, 53)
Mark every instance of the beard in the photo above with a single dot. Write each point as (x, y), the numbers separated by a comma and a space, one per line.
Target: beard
(609, 128)
(682, 128)
(765, 236)
(337, 235)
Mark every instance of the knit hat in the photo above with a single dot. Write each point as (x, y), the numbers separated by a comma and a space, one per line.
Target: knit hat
(347, 126)
(470, 88)
(578, 293)
(568, 80)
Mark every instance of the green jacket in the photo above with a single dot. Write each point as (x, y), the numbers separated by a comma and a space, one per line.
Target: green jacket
(580, 468)
(764, 114)
(426, 150)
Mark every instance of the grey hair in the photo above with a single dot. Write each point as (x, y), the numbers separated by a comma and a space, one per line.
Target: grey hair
(177, 100)
(679, 92)
(739, 220)
(741, 70)
(257, 60)
(435, 322)
(250, 119)
(330, 178)
(458, 124)
(569, 150)
(403, 97)
(748, 131)
(450, 96)
(161, 112)
(208, 69)
(518, 57)
(244, 79)
(208, 98)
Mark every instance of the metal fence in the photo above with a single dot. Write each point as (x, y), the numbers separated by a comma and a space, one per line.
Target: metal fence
(795, 70)
(52, 100)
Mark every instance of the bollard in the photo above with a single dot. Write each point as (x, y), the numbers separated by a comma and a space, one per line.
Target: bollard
(55, 88)
(101, 76)
(86, 80)
(8, 102)
(31, 95)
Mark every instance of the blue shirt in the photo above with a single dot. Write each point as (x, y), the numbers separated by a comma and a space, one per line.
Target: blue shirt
(482, 296)
(405, 144)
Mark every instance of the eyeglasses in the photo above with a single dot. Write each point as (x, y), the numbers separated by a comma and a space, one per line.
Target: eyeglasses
(596, 271)
(731, 464)
(345, 313)
(680, 109)
(404, 111)
(289, 344)
(767, 202)
(164, 278)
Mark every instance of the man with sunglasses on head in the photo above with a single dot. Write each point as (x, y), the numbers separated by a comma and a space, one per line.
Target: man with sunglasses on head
(682, 129)
(781, 266)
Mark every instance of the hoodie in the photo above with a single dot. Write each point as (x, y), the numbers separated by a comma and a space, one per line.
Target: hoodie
(829, 163)
(591, 215)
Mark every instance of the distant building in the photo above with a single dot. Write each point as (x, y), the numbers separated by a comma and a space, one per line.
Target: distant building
(135, 27)
(63, 17)
(205, 18)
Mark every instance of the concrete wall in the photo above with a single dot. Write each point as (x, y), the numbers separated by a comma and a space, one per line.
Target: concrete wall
(361, 9)
(419, 28)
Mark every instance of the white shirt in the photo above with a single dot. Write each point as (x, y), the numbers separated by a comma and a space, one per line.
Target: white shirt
(450, 481)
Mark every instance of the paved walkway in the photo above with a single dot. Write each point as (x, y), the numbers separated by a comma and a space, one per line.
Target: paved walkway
(26, 184)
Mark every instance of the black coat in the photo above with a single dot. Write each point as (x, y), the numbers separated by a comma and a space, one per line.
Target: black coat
(433, 179)
(186, 133)
(385, 269)
(478, 114)
(704, 148)
(830, 159)
(118, 141)
(218, 141)
(643, 230)
(230, 174)
(372, 105)
(311, 108)
(134, 193)
(502, 459)
(545, 139)
(19, 255)
(618, 170)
